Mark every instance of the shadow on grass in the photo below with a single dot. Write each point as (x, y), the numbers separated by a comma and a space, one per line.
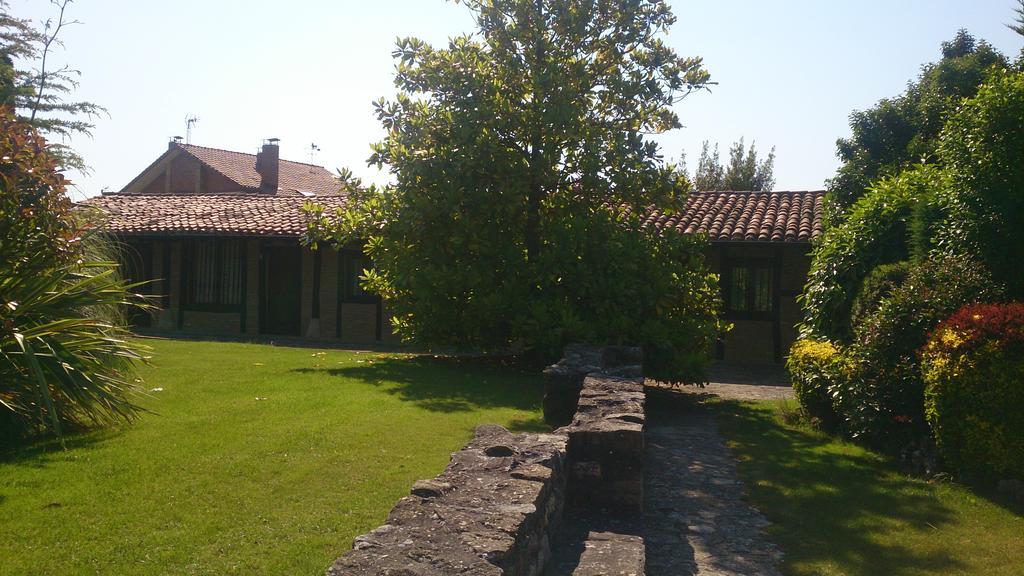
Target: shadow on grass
(453, 384)
(35, 450)
(832, 504)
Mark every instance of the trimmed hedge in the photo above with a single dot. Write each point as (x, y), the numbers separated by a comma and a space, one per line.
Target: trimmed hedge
(973, 368)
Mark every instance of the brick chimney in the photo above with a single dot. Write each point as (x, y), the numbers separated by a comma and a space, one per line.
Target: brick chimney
(267, 165)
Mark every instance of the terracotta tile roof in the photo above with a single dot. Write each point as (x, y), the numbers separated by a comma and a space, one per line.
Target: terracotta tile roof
(239, 167)
(723, 216)
(748, 216)
(192, 214)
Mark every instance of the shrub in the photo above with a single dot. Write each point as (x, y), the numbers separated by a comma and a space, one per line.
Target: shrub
(884, 404)
(64, 353)
(877, 286)
(875, 232)
(814, 367)
(973, 367)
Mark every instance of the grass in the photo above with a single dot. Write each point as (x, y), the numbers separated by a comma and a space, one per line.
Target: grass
(839, 509)
(254, 460)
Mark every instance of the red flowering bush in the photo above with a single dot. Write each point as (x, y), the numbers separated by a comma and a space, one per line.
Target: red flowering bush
(973, 369)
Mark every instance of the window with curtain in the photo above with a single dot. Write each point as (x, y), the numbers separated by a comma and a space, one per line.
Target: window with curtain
(215, 273)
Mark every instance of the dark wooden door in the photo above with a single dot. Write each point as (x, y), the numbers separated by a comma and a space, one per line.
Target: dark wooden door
(281, 298)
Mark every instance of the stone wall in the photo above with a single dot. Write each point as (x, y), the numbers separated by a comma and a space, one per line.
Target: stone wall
(498, 506)
(606, 445)
(492, 511)
(564, 379)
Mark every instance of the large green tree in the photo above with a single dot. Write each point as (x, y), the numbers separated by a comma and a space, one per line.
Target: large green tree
(522, 173)
(898, 132)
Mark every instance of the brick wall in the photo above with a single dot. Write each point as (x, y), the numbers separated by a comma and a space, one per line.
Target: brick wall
(328, 293)
(212, 322)
(750, 342)
(358, 322)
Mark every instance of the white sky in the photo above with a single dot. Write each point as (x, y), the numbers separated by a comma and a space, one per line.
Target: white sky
(789, 72)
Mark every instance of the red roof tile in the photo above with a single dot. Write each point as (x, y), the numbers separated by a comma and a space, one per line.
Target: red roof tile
(723, 216)
(294, 178)
(748, 216)
(222, 214)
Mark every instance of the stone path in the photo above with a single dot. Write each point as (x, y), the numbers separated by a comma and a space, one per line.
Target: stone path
(734, 382)
(697, 521)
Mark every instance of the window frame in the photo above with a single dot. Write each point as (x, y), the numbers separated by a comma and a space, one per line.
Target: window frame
(348, 273)
(750, 265)
(188, 294)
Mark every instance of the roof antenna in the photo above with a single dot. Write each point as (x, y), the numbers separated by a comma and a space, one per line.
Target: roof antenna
(190, 121)
(313, 149)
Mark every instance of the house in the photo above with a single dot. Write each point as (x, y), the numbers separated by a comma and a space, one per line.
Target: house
(220, 230)
(759, 246)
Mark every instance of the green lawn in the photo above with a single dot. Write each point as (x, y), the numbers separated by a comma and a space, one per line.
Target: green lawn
(839, 509)
(255, 460)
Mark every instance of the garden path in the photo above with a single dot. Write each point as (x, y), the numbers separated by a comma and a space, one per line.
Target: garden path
(697, 521)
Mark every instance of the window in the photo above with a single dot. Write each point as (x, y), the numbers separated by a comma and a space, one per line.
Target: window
(215, 275)
(350, 283)
(749, 290)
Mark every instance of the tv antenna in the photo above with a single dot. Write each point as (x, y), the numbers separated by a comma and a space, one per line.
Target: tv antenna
(313, 149)
(190, 121)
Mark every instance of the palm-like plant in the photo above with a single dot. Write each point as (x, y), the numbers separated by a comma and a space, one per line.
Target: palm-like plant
(65, 352)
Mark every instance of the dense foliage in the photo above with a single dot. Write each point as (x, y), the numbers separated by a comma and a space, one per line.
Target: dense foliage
(973, 367)
(982, 149)
(883, 400)
(521, 175)
(918, 244)
(874, 233)
(877, 286)
(64, 357)
(901, 131)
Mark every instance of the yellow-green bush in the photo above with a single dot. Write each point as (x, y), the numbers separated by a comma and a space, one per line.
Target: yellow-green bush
(814, 366)
(973, 368)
